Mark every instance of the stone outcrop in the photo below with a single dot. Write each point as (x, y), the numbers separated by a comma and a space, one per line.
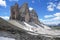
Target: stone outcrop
(34, 17)
(23, 13)
(14, 12)
(8, 30)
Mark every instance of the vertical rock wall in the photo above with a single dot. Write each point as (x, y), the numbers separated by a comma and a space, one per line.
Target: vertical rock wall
(23, 13)
(14, 12)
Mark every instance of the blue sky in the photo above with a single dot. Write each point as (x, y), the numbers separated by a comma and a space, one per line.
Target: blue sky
(48, 10)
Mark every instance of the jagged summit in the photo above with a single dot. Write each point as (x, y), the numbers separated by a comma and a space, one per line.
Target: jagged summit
(14, 11)
(25, 4)
(22, 13)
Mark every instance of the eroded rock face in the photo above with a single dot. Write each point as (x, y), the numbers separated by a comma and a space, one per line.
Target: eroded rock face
(22, 13)
(14, 12)
(11, 31)
(33, 17)
(22, 35)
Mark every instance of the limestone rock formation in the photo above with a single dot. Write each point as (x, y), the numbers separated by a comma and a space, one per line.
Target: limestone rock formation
(14, 12)
(34, 17)
(22, 13)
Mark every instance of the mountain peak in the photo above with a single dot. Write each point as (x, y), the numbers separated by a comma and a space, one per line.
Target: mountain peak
(23, 14)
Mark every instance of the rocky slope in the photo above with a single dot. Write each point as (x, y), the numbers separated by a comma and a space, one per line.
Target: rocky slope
(18, 32)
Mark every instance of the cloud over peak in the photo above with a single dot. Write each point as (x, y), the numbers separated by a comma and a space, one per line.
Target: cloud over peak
(48, 16)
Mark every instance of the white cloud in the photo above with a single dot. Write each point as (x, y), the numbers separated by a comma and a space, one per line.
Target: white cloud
(2, 3)
(30, 8)
(13, 0)
(5, 17)
(57, 14)
(51, 19)
(51, 6)
(48, 16)
(58, 6)
(56, 18)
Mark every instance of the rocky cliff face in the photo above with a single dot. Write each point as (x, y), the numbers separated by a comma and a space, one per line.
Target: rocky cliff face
(34, 17)
(14, 12)
(23, 13)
